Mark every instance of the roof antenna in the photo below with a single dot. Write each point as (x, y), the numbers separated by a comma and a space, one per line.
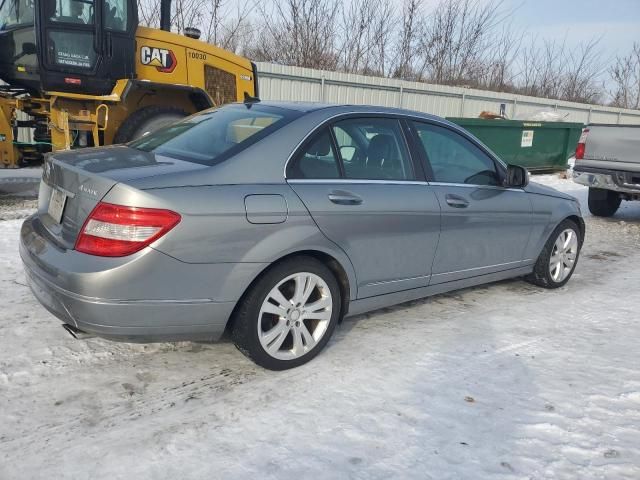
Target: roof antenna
(249, 100)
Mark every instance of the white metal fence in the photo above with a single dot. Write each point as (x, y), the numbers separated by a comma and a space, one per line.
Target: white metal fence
(278, 82)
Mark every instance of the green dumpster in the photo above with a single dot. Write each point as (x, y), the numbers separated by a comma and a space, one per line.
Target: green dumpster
(533, 145)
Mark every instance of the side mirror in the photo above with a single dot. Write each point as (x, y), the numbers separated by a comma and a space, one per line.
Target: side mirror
(29, 48)
(517, 177)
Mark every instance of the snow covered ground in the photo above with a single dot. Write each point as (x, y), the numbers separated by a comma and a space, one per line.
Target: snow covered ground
(506, 381)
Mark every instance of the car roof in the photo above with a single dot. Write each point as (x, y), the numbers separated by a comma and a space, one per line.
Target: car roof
(334, 109)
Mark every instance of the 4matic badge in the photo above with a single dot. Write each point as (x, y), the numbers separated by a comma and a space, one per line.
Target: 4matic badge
(164, 60)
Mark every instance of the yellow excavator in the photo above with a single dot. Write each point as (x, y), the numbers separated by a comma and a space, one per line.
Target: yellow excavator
(79, 73)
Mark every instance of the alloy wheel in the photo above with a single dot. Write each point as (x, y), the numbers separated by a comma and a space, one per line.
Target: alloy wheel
(563, 256)
(294, 316)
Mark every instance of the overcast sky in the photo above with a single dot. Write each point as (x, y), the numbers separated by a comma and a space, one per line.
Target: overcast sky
(616, 21)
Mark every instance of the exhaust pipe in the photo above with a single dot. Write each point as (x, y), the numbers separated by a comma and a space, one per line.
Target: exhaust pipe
(76, 332)
(165, 15)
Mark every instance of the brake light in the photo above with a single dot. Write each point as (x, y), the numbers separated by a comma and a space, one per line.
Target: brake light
(116, 231)
(581, 144)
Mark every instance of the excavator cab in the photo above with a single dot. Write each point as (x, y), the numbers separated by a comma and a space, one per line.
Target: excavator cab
(76, 46)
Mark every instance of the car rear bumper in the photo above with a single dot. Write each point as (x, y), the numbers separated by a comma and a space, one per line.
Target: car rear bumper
(147, 296)
(617, 181)
(122, 320)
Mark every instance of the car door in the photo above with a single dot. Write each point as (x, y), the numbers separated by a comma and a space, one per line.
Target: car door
(84, 46)
(485, 226)
(360, 185)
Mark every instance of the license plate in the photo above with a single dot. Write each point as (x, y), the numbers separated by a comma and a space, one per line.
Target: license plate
(56, 205)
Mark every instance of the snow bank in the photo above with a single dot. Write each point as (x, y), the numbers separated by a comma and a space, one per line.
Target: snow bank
(506, 381)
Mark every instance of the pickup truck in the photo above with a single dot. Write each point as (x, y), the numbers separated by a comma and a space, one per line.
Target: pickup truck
(608, 162)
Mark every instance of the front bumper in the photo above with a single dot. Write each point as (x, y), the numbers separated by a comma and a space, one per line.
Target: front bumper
(147, 296)
(617, 181)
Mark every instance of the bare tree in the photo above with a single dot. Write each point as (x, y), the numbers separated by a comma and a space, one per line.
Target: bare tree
(458, 37)
(227, 27)
(149, 12)
(184, 13)
(499, 72)
(552, 70)
(365, 36)
(187, 13)
(625, 75)
(299, 32)
(544, 68)
(582, 71)
(411, 27)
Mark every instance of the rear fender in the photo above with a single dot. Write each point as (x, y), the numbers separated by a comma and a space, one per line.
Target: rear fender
(215, 227)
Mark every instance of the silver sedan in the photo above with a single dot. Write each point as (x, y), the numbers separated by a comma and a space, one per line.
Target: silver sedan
(273, 221)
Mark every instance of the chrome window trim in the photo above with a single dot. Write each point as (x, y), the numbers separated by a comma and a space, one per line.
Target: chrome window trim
(472, 185)
(325, 181)
(396, 116)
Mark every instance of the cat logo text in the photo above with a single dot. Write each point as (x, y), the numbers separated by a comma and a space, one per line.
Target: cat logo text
(164, 60)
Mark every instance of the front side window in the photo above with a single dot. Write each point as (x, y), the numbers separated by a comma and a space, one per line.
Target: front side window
(373, 149)
(72, 11)
(455, 159)
(317, 160)
(210, 137)
(14, 13)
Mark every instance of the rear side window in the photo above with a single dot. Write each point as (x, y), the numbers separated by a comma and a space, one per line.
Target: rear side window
(317, 160)
(211, 137)
(373, 149)
(455, 159)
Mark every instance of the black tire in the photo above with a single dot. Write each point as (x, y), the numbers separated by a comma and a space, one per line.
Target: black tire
(147, 119)
(244, 331)
(603, 203)
(541, 275)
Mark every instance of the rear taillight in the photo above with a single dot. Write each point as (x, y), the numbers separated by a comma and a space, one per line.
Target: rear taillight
(116, 231)
(581, 144)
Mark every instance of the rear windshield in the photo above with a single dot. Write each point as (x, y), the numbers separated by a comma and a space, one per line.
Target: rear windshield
(213, 136)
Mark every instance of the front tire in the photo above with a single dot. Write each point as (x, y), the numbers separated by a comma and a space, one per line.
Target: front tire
(603, 203)
(559, 257)
(288, 315)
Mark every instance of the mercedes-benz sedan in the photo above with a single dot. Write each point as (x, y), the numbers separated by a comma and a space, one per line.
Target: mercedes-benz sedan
(273, 221)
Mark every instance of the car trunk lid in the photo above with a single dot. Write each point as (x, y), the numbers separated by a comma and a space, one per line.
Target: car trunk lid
(73, 183)
(76, 193)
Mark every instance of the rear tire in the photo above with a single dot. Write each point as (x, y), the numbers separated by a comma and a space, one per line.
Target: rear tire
(146, 120)
(293, 329)
(603, 203)
(553, 255)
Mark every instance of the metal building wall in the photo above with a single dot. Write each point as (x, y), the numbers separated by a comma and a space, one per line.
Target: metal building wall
(279, 82)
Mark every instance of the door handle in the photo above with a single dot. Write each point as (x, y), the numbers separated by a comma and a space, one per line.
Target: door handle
(344, 198)
(456, 201)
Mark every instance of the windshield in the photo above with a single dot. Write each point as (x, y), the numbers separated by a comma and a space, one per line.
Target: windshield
(212, 136)
(14, 13)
